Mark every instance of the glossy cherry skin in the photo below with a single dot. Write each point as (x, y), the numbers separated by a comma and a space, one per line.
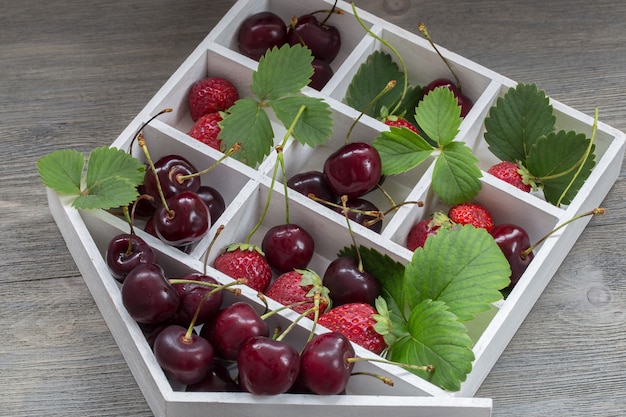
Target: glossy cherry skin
(124, 252)
(360, 216)
(513, 240)
(187, 220)
(313, 182)
(217, 380)
(185, 359)
(349, 285)
(169, 170)
(231, 327)
(214, 201)
(324, 364)
(353, 170)
(322, 73)
(192, 298)
(148, 296)
(260, 32)
(267, 366)
(323, 40)
(288, 247)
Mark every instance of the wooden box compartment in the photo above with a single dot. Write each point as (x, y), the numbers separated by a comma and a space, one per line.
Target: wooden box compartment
(246, 189)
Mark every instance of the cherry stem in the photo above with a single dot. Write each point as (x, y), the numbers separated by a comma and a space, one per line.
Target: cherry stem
(390, 85)
(422, 28)
(583, 160)
(229, 152)
(426, 368)
(279, 149)
(208, 250)
(142, 143)
(372, 213)
(395, 52)
(344, 201)
(167, 110)
(330, 13)
(386, 380)
(598, 210)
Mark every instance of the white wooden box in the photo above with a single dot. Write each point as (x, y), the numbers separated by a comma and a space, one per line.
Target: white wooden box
(245, 190)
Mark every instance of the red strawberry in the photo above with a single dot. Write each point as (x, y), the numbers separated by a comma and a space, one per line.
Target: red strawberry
(298, 286)
(471, 213)
(509, 172)
(206, 130)
(423, 229)
(210, 95)
(245, 261)
(400, 122)
(355, 321)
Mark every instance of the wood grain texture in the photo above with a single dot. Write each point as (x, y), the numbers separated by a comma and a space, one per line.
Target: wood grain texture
(73, 74)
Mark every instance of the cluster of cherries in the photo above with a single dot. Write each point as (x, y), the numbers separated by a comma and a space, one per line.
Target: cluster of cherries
(264, 30)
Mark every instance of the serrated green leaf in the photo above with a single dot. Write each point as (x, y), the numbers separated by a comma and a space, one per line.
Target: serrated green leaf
(106, 193)
(401, 150)
(371, 78)
(62, 171)
(456, 176)
(247, 123)
(439, 115)
(558, 153)
(435, 337)
(315, 124)
(410, 102)
(282, 71)
(106, 162)
(519, 118)
(469, 283)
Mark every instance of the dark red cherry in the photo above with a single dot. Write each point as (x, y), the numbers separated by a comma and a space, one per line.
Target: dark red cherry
(288, 247)
(313, 182)
(217, 380)
(464, 101)
(148, 296)
(186, 359)
(260, 32)
(231, 327)
(322, 73)
(124, 252)
(324, 364)
(169, 170)
(322, 39)
(513, 240)
(359, 209)
(353, 170)
(348, 284)
(187, 220)
(214, 201)
(267, 366)
(192, 300)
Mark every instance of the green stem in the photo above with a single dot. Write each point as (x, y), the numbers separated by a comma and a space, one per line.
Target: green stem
(391, 84)
(235, 148)
(142, 144)
(422, 28)
(581, 163)
(279, 149)
(395, 52)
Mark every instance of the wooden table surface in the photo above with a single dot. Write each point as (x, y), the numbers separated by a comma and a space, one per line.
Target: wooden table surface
(73, 74)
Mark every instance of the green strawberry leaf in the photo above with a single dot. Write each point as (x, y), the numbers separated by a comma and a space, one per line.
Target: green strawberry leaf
(439, 115)
(248, 124)
(517, 121)
(434, 336)
(282, 72)
(371, 78)
(456, 176)
(315, 124)
(468, 284)
(554, 161)
(62, 171)
(106, 162)
(111, 179)
(401, 150)
(411, 100)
